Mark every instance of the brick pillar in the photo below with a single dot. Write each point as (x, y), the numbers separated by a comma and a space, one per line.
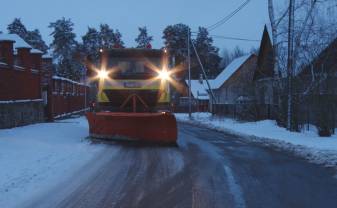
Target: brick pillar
(6, 51)
(24, 57)
(36, 63)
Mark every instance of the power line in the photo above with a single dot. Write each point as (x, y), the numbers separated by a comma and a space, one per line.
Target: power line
(228, 38)
(232, 38)
(228, 17)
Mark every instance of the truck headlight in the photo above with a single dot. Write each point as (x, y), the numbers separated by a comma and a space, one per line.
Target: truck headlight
(103, 74)
(164, 74)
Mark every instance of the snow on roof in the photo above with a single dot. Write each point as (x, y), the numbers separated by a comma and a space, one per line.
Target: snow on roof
(36, 51)
(199, 90)
(68, 80)
(18, 42)
(228, 71)
(48, 54)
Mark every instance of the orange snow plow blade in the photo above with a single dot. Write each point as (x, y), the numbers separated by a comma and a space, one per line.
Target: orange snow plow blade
(147, 127)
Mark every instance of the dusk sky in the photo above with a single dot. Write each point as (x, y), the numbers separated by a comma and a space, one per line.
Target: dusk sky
(128, 15)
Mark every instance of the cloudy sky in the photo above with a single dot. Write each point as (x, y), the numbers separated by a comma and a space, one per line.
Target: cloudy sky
(128, 15)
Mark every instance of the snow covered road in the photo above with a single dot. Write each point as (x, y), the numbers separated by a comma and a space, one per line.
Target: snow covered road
(35, 158)
(207, 169)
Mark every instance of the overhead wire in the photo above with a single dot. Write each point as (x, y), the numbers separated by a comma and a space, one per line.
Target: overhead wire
(228, 17)
(229, 38)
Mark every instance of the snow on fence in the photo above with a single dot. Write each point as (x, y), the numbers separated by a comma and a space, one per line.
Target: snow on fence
(19, 101)
(67, 97)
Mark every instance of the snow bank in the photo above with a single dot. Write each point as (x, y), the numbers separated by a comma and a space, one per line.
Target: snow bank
(306, 144)
(35, 158)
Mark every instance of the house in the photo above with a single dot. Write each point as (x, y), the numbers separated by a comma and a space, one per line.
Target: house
(317, 91)
(265, 57)
(234, 84)
(264, 73)
(200, 97)
(318, 76)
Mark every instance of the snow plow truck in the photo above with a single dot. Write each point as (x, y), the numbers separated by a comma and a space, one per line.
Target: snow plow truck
(132, 96)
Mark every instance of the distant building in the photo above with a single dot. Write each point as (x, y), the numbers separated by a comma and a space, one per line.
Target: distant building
(264, 74)
(316, 75)
(235, 83)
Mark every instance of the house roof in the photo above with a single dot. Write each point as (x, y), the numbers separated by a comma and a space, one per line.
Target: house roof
(48, 54)
(229, 71)
(326, 58)
(18, 42)
(200, 90)
(269, 30)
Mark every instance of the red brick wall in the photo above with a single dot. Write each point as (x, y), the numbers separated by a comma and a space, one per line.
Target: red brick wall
(24, 75)
(18, 83)
(67, 97)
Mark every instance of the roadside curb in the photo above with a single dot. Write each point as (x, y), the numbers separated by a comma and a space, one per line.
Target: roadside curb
(326, 158)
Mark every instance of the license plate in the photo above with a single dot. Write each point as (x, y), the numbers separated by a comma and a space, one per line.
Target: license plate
(132, 85)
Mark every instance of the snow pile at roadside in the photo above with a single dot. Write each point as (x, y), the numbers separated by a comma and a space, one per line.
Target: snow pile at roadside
(306, 144)
(37, 157)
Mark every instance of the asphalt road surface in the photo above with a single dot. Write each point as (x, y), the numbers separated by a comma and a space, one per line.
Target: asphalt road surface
(207, 169)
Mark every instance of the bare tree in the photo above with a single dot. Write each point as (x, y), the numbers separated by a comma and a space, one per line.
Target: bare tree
(315, 28)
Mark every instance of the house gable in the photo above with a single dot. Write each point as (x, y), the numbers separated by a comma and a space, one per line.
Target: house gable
(265, 59)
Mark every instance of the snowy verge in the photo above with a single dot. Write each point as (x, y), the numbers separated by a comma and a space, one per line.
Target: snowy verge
(35, 158)
(306, 144)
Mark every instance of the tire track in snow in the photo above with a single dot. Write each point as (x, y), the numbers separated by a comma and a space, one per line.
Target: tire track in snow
(214, 152)
(234, 188)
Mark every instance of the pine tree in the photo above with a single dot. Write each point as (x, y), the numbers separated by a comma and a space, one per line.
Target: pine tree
(92, 41)
(64, 46)
(143, 40)
(207, 52)
(118, 40)
(64, 38)
(175, 39)
(17, 27)
(107, 36)
(34, 39)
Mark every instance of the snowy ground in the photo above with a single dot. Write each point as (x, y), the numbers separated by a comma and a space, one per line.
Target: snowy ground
(305, 144)
(35, 158)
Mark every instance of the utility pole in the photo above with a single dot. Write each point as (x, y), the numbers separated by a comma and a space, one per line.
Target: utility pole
(290, 64)
(189, 74)
(204, 73)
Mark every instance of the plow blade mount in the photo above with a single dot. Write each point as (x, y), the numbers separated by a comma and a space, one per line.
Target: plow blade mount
(148, 127)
